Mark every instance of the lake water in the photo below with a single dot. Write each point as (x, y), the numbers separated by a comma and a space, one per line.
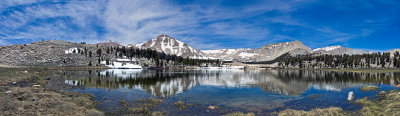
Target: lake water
(258, 91)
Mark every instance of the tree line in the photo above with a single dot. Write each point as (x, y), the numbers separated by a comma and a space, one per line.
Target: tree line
(159, 58)
(371, 60)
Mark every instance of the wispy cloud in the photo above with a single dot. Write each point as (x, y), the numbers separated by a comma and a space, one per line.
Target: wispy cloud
(3, 42)
(205, 25)
(73, 20)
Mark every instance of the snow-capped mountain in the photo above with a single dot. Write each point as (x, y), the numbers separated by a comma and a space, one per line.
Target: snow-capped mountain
(169, 45)
(338, 50)
(266, 53)
(394, 51)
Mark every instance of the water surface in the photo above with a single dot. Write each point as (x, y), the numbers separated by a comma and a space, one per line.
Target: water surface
(257, 91)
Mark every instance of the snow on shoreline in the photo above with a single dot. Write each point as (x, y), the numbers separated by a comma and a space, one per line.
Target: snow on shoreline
(121, 65)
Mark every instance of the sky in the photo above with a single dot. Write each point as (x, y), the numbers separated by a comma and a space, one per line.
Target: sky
(205, 24)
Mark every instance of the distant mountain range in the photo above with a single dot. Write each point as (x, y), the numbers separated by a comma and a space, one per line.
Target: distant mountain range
(63, 53)
(169, 45)
(265, 53)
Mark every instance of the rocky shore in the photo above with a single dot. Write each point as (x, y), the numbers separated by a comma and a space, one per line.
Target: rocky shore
(23, 92)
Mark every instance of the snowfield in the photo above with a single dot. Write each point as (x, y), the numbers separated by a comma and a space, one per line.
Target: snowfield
(329, 48)
(121, 65)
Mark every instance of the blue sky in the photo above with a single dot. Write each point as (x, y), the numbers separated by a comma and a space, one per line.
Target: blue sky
(205, 24)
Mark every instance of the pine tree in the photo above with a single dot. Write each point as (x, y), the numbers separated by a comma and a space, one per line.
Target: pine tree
(90, 53)
(98, 60)
(98, 52)
(108, 50)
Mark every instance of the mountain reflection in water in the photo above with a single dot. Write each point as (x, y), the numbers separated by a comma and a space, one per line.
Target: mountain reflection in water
(170, 83)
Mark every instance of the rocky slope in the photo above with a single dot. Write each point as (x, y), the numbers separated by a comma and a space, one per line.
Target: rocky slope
(169, 45)
(272, 51)
(338, 50)
(52, 53)
(266, 53)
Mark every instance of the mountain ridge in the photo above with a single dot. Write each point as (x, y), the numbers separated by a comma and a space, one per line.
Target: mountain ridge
(338, 50)
(65, 53)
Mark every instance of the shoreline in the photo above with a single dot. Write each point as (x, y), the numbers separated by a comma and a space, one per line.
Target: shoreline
(364, 70)
(360, 70)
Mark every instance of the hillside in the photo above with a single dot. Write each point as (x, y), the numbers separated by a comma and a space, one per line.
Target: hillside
(52, 53)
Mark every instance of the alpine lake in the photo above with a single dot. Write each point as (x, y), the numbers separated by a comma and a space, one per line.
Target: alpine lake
(219, 92)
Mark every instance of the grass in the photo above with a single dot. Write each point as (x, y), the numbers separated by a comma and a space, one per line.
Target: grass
(180, 104)
(314, 96)
(332, 111)
(38, 101)
(368, 88)
(387, 104)
(240, 114)
(143, 106)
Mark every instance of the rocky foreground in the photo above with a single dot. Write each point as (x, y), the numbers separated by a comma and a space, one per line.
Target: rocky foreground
(23, 93)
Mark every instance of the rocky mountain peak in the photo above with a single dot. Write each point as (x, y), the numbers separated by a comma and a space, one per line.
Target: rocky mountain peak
(272, 51)
(169, 45)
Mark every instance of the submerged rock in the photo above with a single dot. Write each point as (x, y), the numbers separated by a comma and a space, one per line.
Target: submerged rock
(212, 107)
(9, 92)
(350, 96)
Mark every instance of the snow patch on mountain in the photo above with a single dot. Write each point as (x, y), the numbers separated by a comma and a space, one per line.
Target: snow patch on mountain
(338, 50)
(329, 48)
(73, 50)
(244, 54)
(211, 51)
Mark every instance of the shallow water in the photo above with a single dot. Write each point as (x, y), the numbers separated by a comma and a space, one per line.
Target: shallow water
(257, 91)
